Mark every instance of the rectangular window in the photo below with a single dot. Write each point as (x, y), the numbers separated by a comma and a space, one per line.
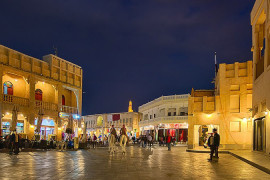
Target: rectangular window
(235, 126)
(234, 103)
(169, 113)
(154, 115)
(249, 101)
(174, 113)
(150, 116)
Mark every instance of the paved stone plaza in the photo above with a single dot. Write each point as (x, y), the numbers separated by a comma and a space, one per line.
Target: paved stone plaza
(138, 163)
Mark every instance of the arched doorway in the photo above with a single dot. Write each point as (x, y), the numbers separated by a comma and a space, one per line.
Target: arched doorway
(8, 88)
(38, 94)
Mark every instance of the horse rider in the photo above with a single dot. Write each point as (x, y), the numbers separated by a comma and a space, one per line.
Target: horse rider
(113, 131)
(123, 131)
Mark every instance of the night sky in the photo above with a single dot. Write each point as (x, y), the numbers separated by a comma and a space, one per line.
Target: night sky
(132, 49)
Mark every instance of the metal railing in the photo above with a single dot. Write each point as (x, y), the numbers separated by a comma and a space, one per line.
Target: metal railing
(15, 100)
(165, 98)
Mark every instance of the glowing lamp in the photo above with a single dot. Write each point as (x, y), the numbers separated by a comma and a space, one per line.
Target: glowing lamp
(244, 119)
(265, 112)
(32, 126)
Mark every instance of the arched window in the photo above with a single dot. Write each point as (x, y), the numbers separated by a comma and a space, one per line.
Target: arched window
(38, 94)
(8, 88)
(63, 100)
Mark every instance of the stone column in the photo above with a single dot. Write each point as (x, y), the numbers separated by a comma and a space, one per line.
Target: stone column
(256, 49)
(31, 110)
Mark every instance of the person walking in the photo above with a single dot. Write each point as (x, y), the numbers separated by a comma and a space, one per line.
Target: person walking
(169, 142)
(94, 141)
(149, 138)
(216, 142)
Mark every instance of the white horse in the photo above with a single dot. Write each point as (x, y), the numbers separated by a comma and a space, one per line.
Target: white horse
(123, 143)
(111, 143)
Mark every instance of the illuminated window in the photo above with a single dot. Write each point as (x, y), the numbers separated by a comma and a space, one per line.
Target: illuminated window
(8, 88)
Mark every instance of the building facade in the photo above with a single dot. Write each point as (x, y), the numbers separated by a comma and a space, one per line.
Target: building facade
(100, 124)
(226, 108)
(49, 89)
(164, 115)
(260, 21)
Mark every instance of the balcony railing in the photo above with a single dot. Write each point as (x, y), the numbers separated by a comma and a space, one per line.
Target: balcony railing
(70, 110)
(46, 105)
(167, 119)
(15, 100)
(165, 98)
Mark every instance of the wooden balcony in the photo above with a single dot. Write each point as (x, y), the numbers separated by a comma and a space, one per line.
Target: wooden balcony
(46, 105)
(10, 99)
(69, 110)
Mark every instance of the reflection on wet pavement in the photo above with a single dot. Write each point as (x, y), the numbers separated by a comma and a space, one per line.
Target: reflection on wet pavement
(137, 163)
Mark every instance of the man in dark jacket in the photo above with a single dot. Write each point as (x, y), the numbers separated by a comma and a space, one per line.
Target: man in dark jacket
(213, 143)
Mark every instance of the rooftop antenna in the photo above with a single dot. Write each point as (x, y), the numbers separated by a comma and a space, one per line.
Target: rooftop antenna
(55, 50)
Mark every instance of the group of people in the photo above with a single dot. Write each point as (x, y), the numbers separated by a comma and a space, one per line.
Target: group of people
(12, 142)
(213, 143)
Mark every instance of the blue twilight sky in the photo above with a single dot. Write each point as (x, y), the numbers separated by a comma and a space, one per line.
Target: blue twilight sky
(132, 49)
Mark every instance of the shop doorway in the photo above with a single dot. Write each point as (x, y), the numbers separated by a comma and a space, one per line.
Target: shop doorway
(202, 132)
(259, 134)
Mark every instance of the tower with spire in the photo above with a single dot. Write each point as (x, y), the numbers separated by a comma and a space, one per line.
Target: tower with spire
(130, 106)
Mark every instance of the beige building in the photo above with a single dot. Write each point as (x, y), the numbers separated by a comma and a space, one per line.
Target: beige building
(227, 108)
(260, 21)
(99, 124)
(31, 87)
(166, 114)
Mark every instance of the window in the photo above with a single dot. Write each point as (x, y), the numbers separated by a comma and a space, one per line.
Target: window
(38, 95)
(63, 100)
(169, 113)
(8, 88)
(235, 126)
(154, 115)
(234, 103)
(249, 101)
(150, 116)
(174, 113)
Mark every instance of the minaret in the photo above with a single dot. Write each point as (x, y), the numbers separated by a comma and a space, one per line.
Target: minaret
(130, 106)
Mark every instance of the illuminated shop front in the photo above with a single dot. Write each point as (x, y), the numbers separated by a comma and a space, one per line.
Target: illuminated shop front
(47, 128)
(6, 122)
(177, 130)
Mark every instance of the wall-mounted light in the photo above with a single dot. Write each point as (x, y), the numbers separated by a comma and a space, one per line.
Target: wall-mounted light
(16, 80)
(32, 126)
(265, 112)
(209, 115)
(244, 119)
